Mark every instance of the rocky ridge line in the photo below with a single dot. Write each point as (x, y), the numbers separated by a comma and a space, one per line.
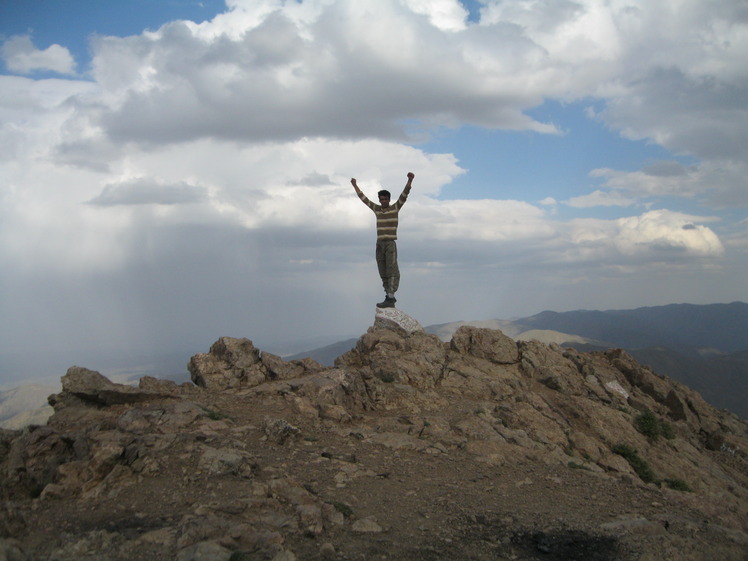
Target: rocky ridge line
(267, 459)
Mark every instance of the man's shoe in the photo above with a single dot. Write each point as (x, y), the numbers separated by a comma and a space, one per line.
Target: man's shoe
(387, 303)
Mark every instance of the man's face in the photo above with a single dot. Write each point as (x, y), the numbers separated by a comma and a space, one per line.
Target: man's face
(384, 201)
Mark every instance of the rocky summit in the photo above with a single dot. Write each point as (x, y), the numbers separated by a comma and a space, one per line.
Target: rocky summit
(409, 448)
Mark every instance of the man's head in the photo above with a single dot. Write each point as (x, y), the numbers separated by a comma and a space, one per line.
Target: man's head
(384, 198)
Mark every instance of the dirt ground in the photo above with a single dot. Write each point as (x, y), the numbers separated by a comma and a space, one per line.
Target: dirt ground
(394, 504)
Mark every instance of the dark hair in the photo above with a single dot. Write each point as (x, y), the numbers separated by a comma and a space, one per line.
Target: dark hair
(384, 193)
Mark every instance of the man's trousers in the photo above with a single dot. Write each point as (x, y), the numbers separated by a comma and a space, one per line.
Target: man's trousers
(387, 263)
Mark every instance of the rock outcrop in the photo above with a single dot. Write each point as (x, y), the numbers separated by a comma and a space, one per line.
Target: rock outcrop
(410, 447)
(233, 363)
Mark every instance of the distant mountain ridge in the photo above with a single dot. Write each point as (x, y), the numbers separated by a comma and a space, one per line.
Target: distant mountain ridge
(681, 327)
(26, 404)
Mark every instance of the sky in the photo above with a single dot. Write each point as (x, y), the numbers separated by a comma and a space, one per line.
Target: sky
(176, 171)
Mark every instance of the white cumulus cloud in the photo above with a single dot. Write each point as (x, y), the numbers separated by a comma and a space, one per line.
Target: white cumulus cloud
(655, 236)
(20, 55)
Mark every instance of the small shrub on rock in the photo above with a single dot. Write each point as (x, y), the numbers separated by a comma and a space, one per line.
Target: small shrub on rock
(342, 508)
(640, 466)
(652, 427)
(678, 485)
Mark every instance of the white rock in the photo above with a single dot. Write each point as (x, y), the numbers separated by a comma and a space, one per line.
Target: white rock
(389, 317)
(614, 386)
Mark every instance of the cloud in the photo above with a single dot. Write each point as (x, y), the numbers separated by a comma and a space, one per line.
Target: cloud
(658, 236)
(669, 73)
(446, 15)
(198, 182)
(315, 179)
(143, 192)
(682, 83)
(277, 74)
(644, 183)
(699, 115)
(273, 72)
(662, 232)
(34, 115)
(717, 183)
(600, 198)
(20, 55)
(477, 220)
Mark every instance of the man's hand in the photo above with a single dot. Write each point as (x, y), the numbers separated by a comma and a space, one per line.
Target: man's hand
(353, 182)
(411, 175)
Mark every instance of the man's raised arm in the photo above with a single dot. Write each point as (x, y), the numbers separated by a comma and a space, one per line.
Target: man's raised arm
(406, 191)
(361, 195)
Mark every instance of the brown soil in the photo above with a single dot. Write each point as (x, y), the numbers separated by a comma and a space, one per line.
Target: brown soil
(422, 505)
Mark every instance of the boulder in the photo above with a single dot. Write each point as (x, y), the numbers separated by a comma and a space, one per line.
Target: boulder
(279, 369)
(639, 376)
(33, 458)
(548, 365)
(91, 388)
(392, 318)
(395, 356)
(488, 344)
(235, 363)
(231, 363)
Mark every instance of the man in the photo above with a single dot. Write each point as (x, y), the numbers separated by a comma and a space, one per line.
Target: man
(386, 251)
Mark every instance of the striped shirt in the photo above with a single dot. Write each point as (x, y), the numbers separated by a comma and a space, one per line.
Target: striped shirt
(386, 217)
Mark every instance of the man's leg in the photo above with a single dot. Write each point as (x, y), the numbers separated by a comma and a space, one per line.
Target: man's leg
(381, 254)
(388, 271)
(393, 271)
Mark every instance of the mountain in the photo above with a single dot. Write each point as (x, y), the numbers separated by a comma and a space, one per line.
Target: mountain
(514, 329)
(722, 379)
(325, 355)
(408, 448)
(445, 330)
(25, 405)
(328, 354)
(702, 346)
(22, 404)
(44, 366)
(685, 328)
